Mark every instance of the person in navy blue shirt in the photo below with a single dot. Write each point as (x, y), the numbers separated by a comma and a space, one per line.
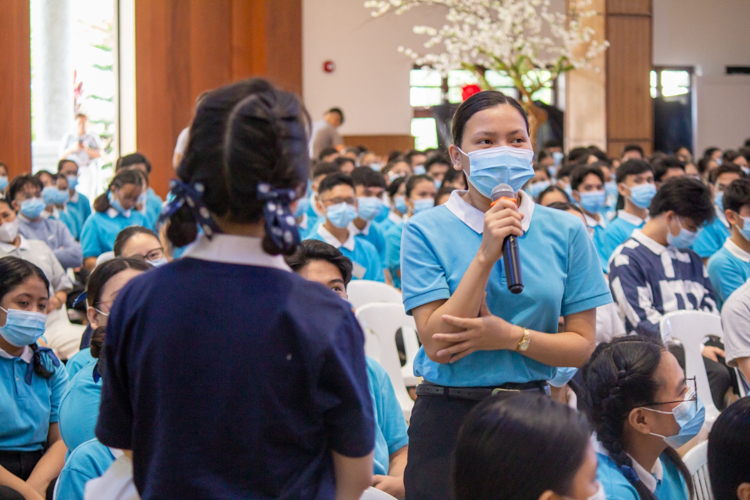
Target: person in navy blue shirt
(225, 374)
(32, 383)
(477, 337)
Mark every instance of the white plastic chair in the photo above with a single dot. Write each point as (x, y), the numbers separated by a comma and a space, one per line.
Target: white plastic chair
(696, 461)
(383, 321)
(411, 347)
(691, 328)
(375, 494)
(363, 292)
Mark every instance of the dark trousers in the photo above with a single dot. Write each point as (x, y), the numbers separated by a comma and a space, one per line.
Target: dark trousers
(21, 464)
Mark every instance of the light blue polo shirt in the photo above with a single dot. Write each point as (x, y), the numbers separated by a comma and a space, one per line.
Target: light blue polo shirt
(618, 231)
(365, 259)
(383, 215)
(373, 234)
(600, 229)
(101, 229)
(713, 236)
(87, 462)
(27, 410)
(393, 252)
(728, 269)
(390, 429)
(78, 361)
(79, 207)
(561, 273)
(70, 222)
(79, 408)
(153, 208)
(669, 483)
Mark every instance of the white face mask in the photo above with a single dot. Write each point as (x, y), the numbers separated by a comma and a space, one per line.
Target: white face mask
(9, 231)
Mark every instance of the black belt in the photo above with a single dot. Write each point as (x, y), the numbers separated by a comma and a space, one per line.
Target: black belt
(480, 393)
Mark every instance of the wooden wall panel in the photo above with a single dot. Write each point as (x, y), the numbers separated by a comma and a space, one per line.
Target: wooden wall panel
(629, 62)
(15, 86)
(185, 47)
(381, 144)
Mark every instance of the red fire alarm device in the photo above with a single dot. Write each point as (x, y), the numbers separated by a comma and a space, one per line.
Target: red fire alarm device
(329, 66)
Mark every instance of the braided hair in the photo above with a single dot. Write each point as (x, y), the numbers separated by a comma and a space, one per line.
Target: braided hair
(619, 377)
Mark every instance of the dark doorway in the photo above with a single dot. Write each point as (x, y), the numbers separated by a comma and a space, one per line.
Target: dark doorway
(672, 91)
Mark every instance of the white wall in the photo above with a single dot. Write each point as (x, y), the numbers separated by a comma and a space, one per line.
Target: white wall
(709, 35)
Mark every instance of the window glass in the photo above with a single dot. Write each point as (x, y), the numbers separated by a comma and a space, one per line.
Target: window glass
(424, 131)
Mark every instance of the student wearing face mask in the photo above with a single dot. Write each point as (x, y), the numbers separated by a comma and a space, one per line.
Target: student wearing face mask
(237, 314)
(150, 202)
(337, 199)
(3, 178)
(587, 183)
(369, 186)
(320, 262)
(729, 267)
(79, 407)
(436, 167)
(62, 212)
(525, 446)
(25, 192)
(138, 242)
(455, 179)
(643, 408)
(714, 235)
(539, 182)
(307, 208)
(419, 196)
(397, 168)
(477, 337)
(396, 193)
(32, 382)
(635, 183)
(78, 205)
(114, 211)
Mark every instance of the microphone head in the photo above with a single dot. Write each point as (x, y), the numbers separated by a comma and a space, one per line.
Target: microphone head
(502, 191)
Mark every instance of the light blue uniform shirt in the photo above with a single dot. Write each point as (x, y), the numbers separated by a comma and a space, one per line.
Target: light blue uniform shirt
(618, 231)
(669, 483)
(27, 410)
(728, 269)
(79, 207)
(373, 234)
(600, 229)
(713, 236)
(365, 259)
(78, 361)
(383, 215)
(561, 273)
(101, 229)
(79, 408)
(56, 235)
(390, 429)
(68, 219)
(153, 208)
(87, 462)
(393, 252)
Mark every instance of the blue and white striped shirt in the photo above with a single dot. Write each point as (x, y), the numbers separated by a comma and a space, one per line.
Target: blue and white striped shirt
(648, 280)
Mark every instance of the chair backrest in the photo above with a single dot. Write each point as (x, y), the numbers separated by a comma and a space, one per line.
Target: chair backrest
(696, 461)
(375, 494)
(363, 292)
(691, 328)
(383, 321)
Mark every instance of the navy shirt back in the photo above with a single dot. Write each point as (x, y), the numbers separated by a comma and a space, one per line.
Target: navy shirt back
(233, 381)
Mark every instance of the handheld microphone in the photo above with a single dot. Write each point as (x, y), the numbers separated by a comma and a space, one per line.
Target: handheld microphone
(511, 255)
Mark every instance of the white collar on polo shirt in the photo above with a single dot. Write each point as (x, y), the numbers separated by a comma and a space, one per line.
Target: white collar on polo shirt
(233, 249)
(650, 479)
(591, 222)
(735, 250)
(113, 213)
(396, 218)
(355, 230)
(332, 240)
(649, 243)
(633, 219)
(10, 248)
(73, 197)
(26, 354)
(474, 218)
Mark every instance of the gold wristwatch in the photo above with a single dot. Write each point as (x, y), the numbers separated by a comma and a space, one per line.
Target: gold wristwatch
(523, 344)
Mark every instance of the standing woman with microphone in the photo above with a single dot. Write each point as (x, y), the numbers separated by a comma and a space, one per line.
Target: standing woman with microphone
(479, 338)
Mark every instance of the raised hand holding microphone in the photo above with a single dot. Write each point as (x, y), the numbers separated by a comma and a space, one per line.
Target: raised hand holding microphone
(511, 256)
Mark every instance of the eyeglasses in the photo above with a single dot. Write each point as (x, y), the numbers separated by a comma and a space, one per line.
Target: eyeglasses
(336, 201)
(694, 398)
(151, 255)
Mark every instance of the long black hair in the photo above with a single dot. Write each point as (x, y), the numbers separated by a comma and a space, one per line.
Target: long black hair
(243, 134)
(14, 272)
(516, 447)
(729, 450)
(477, 103)
(619, 377)
(121, 178)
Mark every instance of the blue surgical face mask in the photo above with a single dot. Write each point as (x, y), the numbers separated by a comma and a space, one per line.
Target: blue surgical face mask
(558, 157)
(3, 182)
(502, 165)
(592, 201)
(642, 194)
(536, 189)
(684, 239)
(563, 376)
(115, 203)
(419, 170)
(568, 190)
(23, 327)
(400, 203)
(369, 207)
(376, 166)
(425, 204)
(341, 214)
(33, 207)
(552, 171)
(690, 415)
(719, 200)
(158, 262)
(745, 229)
(142, 200)
(49, 194)
(610, 188)
(745, 170)
(72, 181)
(62, 196)
(438, 184)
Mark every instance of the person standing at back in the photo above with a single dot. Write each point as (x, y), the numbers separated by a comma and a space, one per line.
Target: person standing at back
(281, 408)
(324, 132)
